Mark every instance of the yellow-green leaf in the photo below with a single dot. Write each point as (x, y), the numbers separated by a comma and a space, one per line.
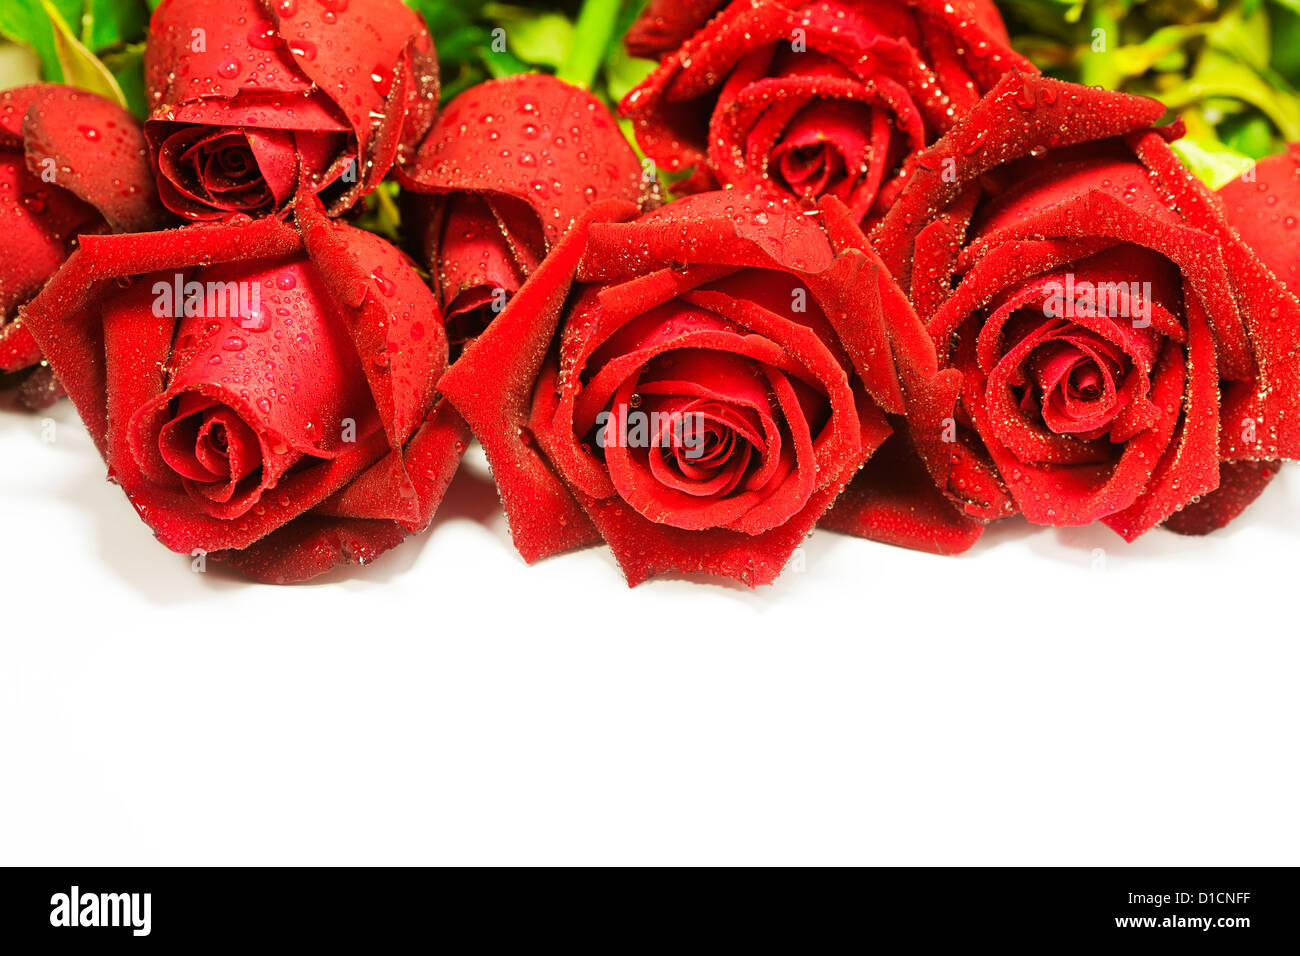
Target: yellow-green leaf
(81, 68)
(19, 65)
(1213, 163)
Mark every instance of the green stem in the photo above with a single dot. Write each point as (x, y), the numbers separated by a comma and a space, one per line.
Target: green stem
(1098, 69)
(591, 39)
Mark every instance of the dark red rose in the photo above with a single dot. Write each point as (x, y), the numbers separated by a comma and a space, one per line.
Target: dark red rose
(71, 163)
(507, 168)
(262, 391)
(664, 25)
(1124, 356)
(254, 100)
(810, 98)
(694, 386)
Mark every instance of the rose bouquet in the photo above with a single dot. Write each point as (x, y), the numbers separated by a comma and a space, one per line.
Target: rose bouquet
(700, 276)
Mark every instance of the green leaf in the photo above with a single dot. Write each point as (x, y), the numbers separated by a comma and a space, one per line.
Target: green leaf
(1057, 19)
(503, 64)
(80, 67)
(466, 75)
(1286, 40)
(623, 72)
(543, 39)
(462, 44)
(593, 37)
(1136, 59)
(382, 214)
(1214, 163)
(1244, 38)
(1218, 75)
(1252, 135)
(113, 23)
(127, 67)
(26, 22)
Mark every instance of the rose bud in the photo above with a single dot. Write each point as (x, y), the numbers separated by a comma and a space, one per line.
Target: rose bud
(263, 391)
(507, 168)
(1125, 357)
(810, 99)
(72, 163)
(255, 100)
(694, 386)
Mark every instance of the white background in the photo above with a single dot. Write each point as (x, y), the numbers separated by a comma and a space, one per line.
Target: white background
(1036, 701)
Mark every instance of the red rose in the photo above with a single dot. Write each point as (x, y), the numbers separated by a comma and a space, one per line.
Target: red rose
(810, 98)
(71, 163)
(694, 386)
(1125, 357)
(261, 390)
(507, 168)
(254, 100)
(1264, 208)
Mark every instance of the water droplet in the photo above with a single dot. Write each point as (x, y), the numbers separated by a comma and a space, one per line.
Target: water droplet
(255, 322)
(229, 68)
(977, 143)
(285, 281)
(382, 77)
(386, 285)
(234, 344)
(263, 37)
(303, 48)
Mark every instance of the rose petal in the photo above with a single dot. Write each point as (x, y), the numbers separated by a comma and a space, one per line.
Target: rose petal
(493, 383)
(1265, 212)
(1240, 483)
(893, 500)
(102, 158)
(544, 127)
